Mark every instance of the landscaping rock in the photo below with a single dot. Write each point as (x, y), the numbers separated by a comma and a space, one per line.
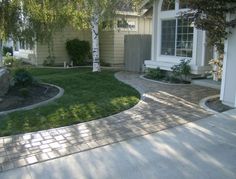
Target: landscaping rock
(4, 81)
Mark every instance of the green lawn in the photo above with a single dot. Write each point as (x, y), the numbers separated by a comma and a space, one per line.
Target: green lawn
(87, 96)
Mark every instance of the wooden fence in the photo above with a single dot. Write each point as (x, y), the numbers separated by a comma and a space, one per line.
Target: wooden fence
(137, 50)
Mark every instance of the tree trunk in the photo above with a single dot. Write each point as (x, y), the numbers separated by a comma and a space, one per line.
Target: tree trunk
(1, 58)
(95, 43)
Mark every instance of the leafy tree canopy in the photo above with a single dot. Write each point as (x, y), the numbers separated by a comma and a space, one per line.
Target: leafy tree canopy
(10, 18)
(41, 18)
(210, 15)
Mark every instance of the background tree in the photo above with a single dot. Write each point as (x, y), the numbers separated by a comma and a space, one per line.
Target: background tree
(31, 20)
(10, 21)
(40, 19)
(45, 17)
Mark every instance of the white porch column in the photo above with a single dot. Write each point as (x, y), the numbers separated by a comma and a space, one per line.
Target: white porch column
(154, 30)
(228, 87)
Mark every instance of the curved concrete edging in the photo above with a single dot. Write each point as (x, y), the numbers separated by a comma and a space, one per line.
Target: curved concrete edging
(60, 94)
(140, 91)
(203, 101)
(160, 82)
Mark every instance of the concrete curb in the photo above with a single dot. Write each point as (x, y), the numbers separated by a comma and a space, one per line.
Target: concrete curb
(203, 101)
(164, 83)
(60, 94)
(141, 93)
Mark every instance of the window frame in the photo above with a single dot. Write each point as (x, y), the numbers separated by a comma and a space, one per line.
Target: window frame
(172, 15)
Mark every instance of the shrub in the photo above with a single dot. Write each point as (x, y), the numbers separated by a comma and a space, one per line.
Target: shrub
(22, 77)
(183, 69)
(155, 73)
(50, 61)
(24, 92)
(9, 60)
(78, 51)
(6, 50)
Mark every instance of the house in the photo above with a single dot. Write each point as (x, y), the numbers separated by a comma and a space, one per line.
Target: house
(175, 38)
(111, 39)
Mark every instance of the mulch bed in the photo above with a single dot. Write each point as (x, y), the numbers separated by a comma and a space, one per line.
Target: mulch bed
(216, 105)
(166, 80)
(36, 93)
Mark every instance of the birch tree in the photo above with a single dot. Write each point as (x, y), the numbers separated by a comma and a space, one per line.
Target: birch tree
(93, 12)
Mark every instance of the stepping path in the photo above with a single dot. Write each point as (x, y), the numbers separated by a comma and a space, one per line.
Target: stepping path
(162, 106)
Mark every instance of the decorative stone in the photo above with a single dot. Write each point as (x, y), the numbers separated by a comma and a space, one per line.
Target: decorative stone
(4, 81)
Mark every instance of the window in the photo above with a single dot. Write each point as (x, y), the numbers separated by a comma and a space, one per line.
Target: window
(168, 37)
(124, 24)
(183, 4)
(168, 5)
(26, 46)
(177, 38)
(22, 44)
(107, 25)
(184, 44)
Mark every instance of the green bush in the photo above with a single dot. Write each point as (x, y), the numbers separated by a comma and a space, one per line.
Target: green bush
(22, 77)
(78, 51)
(24, 92)
(50, 61)
(6, 50)
(155, 73)
(8, 60)
(183, 69)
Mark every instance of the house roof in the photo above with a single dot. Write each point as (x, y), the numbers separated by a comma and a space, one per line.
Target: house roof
(126, 8)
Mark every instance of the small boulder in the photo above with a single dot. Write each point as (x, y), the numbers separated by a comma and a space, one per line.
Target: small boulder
(4, 81)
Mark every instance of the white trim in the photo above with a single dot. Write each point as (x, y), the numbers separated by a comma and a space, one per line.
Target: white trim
(203, 48)
(164, 83)
(155, 29)
(223, 82)
(195, 41)
(224, 75)
(166, 65)
(165, 61)
(127, 13)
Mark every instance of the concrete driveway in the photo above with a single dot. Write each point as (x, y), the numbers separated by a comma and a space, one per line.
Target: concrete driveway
(202, 149)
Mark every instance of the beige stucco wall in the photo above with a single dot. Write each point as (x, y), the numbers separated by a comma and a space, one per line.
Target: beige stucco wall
(60, 39)
(111, 42)
(107, 46)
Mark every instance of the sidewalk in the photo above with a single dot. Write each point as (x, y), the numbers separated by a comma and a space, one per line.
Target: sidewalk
(202, 149)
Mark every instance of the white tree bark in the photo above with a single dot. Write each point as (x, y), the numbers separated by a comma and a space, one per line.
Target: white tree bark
(95, 43)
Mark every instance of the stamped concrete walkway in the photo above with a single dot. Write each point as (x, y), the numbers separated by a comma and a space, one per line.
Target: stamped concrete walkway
(162, 106)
